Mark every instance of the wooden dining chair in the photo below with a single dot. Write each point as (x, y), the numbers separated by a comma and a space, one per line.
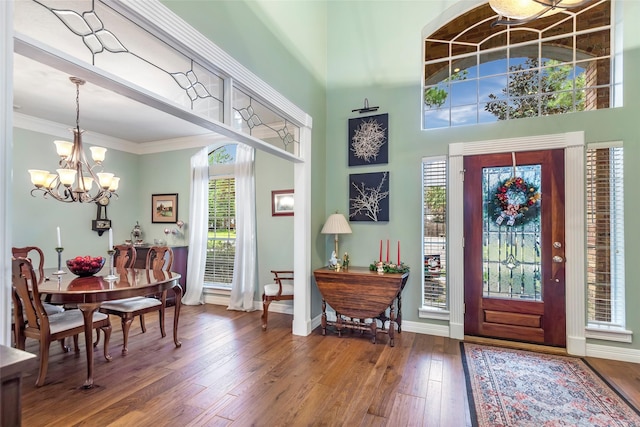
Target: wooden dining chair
(33, 254)
(277, 291)
(47, 328)
(36, 256)
(158, 258)
(124, 256)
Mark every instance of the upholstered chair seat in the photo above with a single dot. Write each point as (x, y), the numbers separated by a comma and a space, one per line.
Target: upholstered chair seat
(280, 290)
(158, 258)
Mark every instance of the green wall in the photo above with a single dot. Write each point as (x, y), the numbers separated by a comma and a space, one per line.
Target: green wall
(35, 218)
(285, 44)
(326, 57)
(374, 51)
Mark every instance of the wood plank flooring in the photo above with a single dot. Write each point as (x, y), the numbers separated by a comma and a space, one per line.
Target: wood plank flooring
(229, 372)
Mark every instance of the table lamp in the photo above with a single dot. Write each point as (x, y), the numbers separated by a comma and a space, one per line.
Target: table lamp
(336, 224)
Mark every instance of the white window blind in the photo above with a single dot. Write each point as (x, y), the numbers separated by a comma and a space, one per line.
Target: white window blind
(434, 202)
(221, 241)
(605, 236)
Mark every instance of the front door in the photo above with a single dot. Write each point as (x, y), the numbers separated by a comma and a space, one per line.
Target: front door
(514, 246)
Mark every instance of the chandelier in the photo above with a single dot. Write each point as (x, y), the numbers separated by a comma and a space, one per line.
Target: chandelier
(520, 12)
(75, 169)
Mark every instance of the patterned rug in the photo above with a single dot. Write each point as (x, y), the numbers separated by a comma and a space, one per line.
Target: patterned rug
(521, 388)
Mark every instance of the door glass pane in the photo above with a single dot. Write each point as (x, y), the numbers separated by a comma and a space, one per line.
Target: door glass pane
(511, 256)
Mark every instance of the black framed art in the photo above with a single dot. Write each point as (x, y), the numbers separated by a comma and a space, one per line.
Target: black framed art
(369, 197)
(369, 140)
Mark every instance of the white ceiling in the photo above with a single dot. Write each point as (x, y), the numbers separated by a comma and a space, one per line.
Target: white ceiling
(46, 93)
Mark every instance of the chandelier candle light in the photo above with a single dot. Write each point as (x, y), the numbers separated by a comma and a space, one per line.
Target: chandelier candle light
(73, 164)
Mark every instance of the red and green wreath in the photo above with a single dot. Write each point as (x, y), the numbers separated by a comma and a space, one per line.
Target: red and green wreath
(515, 201)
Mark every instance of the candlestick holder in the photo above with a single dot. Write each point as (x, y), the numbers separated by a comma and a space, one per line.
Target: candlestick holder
(60, 271)
(111, 275)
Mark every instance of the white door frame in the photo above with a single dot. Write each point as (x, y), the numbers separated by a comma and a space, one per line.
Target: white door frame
(573, 145)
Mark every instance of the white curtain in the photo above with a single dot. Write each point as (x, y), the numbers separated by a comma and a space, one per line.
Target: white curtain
(244, 270)
(198, 227)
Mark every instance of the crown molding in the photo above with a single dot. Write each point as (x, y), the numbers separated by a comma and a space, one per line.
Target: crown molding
(59, 130)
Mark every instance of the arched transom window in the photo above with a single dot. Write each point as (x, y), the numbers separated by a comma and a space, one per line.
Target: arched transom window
(476, 72)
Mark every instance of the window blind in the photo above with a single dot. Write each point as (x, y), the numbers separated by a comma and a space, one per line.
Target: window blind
(221, 241)
(434, 186)
(605, 236)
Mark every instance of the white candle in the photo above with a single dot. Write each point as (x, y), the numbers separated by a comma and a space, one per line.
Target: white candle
(110, 240)
(59, 240)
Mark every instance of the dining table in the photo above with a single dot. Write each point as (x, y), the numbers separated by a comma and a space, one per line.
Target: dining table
(88, 293)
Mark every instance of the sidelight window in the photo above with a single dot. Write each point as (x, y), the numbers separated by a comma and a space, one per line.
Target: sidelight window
(434, 220)
(605, 237)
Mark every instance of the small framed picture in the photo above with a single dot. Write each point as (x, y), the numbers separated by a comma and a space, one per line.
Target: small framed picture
(164, 208)
(282, 203)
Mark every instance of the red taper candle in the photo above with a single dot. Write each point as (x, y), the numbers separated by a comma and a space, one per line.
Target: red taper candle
(387, 250)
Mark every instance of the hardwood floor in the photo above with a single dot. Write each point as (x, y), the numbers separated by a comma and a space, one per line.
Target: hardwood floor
(229, 372)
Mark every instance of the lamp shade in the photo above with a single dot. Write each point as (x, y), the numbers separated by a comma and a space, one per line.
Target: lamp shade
(336, 224)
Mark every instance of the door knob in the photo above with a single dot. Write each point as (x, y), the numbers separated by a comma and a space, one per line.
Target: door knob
(557, 245)
(558, 258)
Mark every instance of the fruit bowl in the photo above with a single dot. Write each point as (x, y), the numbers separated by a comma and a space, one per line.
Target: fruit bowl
(84, 266)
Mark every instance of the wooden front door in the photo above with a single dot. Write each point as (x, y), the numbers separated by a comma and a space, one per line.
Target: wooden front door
(514, 246)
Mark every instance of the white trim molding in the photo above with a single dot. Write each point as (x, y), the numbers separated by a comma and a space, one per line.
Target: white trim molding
(6, 155)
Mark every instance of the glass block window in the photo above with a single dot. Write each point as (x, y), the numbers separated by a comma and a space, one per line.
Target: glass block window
(605, 236)
(478, 73)
(434, 218)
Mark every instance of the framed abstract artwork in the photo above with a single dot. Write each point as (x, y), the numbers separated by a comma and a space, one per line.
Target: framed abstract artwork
(369, 140)
(369, 197)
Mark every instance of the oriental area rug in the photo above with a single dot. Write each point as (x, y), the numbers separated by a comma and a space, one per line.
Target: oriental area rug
(521, 388)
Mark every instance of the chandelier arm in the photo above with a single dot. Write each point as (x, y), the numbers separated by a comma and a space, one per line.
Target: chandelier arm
(47, 193)
(558, 4)
(76, 162)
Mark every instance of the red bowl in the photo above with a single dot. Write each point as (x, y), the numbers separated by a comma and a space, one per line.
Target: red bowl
(85, 266)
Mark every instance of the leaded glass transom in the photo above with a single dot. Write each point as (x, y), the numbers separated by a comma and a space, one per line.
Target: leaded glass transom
(98, 34)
